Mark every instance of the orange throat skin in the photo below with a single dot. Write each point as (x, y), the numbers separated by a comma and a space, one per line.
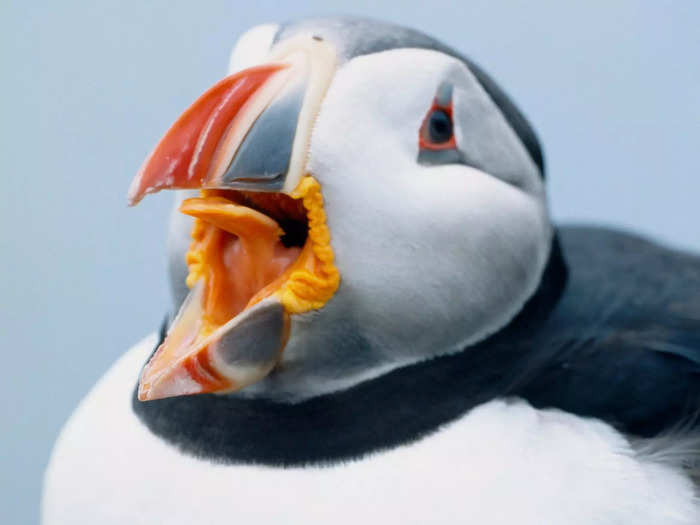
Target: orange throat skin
(240, 257)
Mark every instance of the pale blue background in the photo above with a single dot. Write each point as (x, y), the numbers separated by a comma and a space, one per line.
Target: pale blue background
(612, 88)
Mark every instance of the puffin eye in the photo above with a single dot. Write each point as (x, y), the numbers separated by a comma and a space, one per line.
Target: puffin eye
(439, 126)
(436, 139)
(437, 131)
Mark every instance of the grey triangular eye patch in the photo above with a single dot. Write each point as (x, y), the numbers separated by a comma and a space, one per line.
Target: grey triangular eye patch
(484, 138)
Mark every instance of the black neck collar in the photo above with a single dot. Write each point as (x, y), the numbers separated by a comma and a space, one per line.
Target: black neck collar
(396, 408)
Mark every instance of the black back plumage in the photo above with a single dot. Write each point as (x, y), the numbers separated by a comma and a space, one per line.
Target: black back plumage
(619, 339)
(623, 344)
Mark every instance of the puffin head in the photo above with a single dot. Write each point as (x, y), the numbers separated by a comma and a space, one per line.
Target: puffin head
(359, 197)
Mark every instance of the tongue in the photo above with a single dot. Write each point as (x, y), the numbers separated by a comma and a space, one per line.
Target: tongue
(237, 250)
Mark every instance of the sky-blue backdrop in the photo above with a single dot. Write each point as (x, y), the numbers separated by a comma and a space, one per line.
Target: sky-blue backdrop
(613, 89)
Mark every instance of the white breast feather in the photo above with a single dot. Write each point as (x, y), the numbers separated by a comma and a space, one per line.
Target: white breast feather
(503, 463)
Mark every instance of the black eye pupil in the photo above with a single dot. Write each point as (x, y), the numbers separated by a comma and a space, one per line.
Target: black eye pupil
(440, 127)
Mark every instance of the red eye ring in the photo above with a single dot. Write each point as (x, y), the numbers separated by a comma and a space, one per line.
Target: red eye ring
(426, 136)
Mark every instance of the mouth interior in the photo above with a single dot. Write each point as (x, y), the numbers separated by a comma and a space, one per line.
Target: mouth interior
(245, 245)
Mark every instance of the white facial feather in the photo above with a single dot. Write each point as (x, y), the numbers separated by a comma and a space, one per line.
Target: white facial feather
(431, 258)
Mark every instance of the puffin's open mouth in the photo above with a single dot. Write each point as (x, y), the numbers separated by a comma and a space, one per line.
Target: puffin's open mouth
(255, 258)
(245, 245)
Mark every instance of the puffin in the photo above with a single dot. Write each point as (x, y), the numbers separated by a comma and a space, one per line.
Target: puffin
(375, 319)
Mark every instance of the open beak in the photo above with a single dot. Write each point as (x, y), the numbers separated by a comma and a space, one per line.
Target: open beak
(260, 247)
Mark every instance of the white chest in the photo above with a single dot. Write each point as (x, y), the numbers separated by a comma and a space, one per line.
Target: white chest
(504, 463)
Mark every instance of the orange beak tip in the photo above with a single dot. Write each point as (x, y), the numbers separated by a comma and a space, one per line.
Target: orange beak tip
(174, 382)
(135, 194)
